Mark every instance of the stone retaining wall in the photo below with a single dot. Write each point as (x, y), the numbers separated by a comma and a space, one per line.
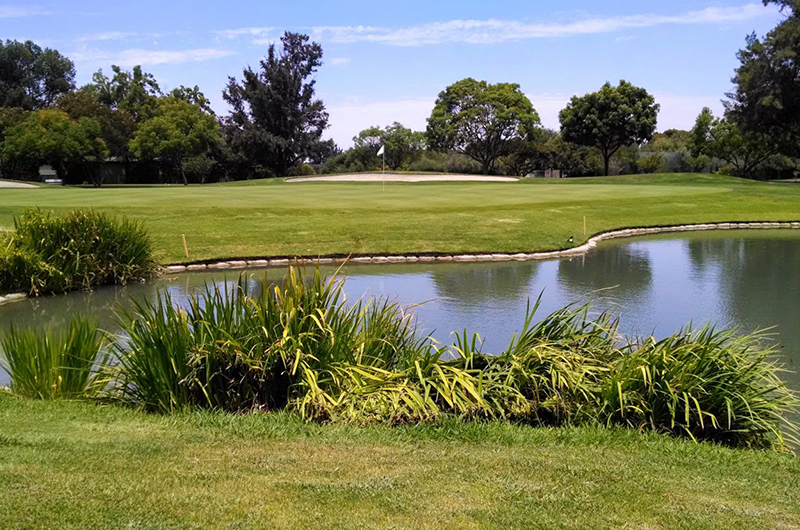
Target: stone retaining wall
(460, 258)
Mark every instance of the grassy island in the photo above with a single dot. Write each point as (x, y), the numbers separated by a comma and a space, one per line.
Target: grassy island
(276, 218)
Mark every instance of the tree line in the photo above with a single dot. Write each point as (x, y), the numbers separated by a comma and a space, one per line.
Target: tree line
(275, 123)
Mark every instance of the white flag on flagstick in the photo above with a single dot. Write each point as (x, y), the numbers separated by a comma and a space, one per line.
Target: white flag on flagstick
(380, 151)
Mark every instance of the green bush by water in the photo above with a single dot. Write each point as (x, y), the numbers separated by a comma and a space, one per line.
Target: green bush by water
(300, 346)
(705, 384)
(240, 350)
(80, 250)
(48, 365)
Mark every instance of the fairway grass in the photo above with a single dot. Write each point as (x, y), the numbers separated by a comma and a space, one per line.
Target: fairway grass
(72, 465)
(274, 218)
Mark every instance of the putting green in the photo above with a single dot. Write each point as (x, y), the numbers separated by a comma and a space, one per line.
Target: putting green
(275, 218)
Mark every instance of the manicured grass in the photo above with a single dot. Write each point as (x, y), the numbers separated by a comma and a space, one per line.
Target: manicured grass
(74, 465)
(274, 218)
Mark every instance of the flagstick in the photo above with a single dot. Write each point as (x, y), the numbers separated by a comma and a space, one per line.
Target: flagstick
(383, 168)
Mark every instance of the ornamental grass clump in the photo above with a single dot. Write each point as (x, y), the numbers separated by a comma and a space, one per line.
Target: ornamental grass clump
(705, 384)
(255, 346)
(300, 345)
(50, 365)
(79, 250)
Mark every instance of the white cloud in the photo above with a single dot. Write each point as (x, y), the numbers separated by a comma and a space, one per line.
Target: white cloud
(134, 57)
(244, 32)
(21, 11)
(494, 30)
(339, 61)
(107, 36)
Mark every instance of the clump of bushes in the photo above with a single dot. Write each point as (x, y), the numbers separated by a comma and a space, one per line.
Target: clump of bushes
(302, 170)
(651, 163)
(80, 250)
(299, 345)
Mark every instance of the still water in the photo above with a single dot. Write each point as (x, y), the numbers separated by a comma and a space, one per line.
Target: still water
(656, 284)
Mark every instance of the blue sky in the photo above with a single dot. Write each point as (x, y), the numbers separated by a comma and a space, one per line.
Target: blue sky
(387, 61)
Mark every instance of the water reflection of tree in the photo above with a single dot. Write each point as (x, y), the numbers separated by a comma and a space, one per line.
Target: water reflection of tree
(759, 284)
(105, 304)
(477, 282)
(758, 277)
(624, 267)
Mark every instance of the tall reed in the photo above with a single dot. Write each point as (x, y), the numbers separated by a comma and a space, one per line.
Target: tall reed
(300, 344)
(49, 365)
(236, 349)
(705, 384)
(79, 250)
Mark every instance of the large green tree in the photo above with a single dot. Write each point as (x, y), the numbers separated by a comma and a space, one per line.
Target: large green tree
(135, 92)
(177, 132)
(722, 138)
(51, 136)
(480, 120)
(276, 122)
(613, 117)
(766, 94)
(32, 77)
(14, 168)
(117, 125)
(194, 96)
(400, 143)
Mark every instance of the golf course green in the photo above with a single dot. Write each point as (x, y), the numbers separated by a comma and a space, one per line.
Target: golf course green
(74, 464)
(263, 218)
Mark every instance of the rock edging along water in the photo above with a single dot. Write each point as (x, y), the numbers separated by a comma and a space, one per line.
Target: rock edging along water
(459, 258)
(472, 258)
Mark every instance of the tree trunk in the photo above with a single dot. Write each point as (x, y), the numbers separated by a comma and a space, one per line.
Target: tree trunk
(62, 169)
(183, 174)
(606, 160)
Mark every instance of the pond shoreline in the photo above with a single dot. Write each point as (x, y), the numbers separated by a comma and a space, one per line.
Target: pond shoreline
(434, 257)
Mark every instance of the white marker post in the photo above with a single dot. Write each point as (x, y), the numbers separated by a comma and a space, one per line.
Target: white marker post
(382, 152)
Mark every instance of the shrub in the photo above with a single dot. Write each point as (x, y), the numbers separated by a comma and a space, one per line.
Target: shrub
(80, 250)
(301, 170)
(47, 365)
(458, 163)
(201, 168)
(428, 161)
(236, 351)
(704, 384)
(650, 163)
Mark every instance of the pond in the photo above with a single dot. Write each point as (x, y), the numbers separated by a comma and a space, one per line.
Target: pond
(656, 284)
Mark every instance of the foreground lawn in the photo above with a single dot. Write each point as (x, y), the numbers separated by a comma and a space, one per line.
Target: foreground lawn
(275, 218)
(71, 465)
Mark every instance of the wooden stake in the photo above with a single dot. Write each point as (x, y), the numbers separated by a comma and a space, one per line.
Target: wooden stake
(185, 246)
